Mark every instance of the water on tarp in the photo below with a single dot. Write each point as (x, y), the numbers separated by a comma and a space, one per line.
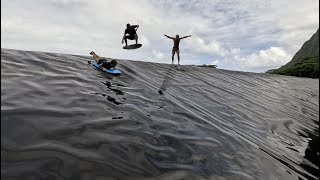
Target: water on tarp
(62, 119)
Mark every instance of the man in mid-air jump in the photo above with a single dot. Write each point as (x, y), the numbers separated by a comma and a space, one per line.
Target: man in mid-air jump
(132, 33)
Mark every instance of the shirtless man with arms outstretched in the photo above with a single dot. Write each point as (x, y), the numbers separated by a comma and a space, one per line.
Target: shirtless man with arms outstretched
(175, 48)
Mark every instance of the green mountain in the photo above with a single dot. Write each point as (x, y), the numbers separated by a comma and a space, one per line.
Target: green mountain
(309, 49)
(308, 67)
(305, 63)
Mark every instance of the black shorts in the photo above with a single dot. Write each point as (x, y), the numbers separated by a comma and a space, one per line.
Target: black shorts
(175, 49)
(102, 61)
(131, 37)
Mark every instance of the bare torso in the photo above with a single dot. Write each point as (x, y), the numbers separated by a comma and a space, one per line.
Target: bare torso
(176, 42)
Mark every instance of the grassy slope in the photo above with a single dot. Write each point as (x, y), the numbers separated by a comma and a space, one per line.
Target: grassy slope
(308, 67)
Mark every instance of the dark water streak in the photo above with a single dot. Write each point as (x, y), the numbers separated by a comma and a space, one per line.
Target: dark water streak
(62, 119)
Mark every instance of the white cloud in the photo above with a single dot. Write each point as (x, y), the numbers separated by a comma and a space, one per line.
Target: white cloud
(144, 40)
(220, 28)
(213, 47)
(157, 54)
(215, 62)
(198, 44)
(269, 58)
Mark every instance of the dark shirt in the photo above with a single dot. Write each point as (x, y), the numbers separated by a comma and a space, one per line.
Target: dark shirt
(104, 63)
(131, 31)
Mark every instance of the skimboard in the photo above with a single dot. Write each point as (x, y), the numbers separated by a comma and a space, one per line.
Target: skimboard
(110, 71)
(132, 46)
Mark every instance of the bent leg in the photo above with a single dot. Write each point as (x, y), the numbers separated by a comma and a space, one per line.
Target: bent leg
(95, 56)
(136, 37)
(130, 37)
(125, 40)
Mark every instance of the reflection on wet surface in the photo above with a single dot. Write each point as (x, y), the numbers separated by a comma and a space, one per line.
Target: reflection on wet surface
(63, 119)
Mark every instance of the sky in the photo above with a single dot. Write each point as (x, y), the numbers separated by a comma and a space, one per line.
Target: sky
(242, 35)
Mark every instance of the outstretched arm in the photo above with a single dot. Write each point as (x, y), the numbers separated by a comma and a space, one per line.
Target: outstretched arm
(168, 36)
(185, 37)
